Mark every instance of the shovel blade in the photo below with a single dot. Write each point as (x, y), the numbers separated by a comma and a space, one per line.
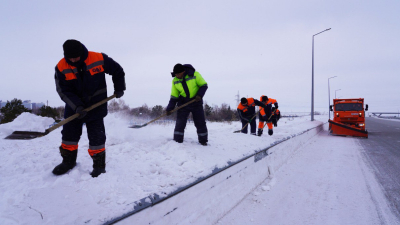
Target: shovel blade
(24, 135)
(138, 126)
(238, 131)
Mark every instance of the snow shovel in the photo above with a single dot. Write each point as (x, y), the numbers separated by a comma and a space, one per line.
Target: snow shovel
(238, 131)
(26, 135)
(180, 107)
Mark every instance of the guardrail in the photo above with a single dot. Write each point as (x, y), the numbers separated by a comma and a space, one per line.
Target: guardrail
(380, 113)
(218, 191)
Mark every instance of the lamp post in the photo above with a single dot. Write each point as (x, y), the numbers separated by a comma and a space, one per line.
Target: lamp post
(336, 91)
(312, 77)
(329, 97)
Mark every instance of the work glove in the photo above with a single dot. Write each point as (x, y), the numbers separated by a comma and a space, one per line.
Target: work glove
(81, 112)
(169, 113)
(118, 94)
(198, 98)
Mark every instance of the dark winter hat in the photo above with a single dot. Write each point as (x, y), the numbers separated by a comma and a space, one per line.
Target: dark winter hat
(178, 68)
(264, 98)
(72, 49)
(243, 100)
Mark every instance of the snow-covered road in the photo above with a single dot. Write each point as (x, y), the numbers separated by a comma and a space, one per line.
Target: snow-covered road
(325, 182)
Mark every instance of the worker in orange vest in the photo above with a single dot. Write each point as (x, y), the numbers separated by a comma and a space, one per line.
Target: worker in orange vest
(247, 112)
(81, 82)
(263, 115)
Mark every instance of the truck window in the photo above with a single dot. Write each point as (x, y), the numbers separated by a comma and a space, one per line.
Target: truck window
(349, 107)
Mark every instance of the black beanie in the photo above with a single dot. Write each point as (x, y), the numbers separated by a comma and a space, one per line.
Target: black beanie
(243, 100)
(264, 99)
(178, 68)
(72, 49)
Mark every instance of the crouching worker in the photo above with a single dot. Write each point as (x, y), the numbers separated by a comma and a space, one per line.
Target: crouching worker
(265, 117)
(247, 111)
(80, 82)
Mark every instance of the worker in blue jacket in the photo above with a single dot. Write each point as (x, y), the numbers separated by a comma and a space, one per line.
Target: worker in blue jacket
(188, 84)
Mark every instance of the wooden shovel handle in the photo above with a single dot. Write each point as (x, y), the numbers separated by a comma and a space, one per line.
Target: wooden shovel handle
(180, 107)
(249, 122)
(76, 115)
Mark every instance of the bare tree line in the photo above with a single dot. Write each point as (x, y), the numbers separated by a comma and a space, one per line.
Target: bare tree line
(212, 113)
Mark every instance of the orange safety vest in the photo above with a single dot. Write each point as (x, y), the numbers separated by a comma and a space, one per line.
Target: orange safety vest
(250, 103)
(94, 64)
(270, 101)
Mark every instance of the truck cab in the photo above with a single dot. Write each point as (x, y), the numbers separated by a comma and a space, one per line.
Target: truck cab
(348, 117)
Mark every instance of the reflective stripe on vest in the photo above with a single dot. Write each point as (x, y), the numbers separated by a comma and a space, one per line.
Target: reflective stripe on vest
(190, 78)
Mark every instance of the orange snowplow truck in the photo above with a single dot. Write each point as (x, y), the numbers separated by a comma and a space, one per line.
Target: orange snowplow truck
(348, 117)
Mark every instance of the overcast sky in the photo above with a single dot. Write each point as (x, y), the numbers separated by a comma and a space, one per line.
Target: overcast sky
(251, 47)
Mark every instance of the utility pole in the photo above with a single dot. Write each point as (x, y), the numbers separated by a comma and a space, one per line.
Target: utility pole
(312, 76)
(329, 96)
(237, 98)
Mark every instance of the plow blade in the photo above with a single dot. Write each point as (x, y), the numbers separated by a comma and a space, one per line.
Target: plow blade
(346, 130)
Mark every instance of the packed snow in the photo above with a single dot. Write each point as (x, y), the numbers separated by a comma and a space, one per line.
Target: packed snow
(139, 162)
(325, 182)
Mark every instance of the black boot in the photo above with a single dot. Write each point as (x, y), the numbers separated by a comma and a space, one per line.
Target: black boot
(270, 132)
(99, 164)
(259, 132)
(203, 143)
(69, 161)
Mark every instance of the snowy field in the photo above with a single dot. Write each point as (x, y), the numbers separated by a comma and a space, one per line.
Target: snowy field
(140, 162)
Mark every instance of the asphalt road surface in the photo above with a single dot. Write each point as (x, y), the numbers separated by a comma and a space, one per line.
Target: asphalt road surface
(382, 149)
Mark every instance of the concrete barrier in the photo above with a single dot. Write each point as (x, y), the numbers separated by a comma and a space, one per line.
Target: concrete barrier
(209, 198)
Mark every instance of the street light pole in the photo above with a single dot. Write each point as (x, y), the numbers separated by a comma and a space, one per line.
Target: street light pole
(329, 97)
(336, 91)
(312, 77)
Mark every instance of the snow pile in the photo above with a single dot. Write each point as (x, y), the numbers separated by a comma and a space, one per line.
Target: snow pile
(139, 162)
(26, 122)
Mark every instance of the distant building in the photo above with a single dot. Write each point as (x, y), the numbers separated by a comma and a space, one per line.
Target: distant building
(27, 104)
(37, 105)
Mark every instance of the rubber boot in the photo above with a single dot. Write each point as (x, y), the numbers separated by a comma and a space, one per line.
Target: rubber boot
(69, 161)
(259, 132)
(203, 143)
(270, 132)
(99, 164)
